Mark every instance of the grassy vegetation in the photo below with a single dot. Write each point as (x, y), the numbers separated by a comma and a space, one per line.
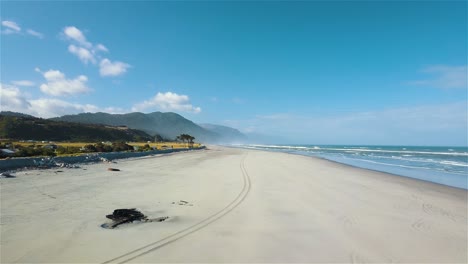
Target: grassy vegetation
(158, 145)
(32, 149)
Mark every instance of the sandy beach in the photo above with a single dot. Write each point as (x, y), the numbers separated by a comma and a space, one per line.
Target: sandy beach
(230, 205)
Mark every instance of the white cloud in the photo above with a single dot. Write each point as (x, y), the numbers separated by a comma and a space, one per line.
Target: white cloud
(23, 83)
(35, 33)
(109, 68)
(88, 52)
(46, 107)
(12, 99)
(58, 85)
(238, 100)
(444, 76)
(101, 47)
(14, 27)
(75, 34)
(83, 54)
(167, 102)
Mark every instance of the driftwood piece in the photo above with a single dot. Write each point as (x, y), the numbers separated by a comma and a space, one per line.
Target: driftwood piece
(158, 219)
(122, 216)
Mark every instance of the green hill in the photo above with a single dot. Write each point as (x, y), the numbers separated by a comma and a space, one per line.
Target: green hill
(19, 127)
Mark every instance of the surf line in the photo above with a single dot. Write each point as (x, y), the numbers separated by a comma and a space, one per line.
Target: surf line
(191, 229)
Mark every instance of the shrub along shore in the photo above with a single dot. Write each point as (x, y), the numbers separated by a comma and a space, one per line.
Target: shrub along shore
(66, 160)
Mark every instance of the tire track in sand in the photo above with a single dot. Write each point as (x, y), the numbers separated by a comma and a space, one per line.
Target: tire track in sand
(191, 229)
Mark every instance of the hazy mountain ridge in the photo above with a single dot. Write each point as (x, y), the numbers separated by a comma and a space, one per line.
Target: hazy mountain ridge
(227, 134)
(168, 125)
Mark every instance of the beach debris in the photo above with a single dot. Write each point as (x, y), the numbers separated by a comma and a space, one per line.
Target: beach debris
(104, 159)
(6, 175)
(50, 162)
(182, 202)
(45, 163)
(122, 216)
(112, 169)
(97, 158)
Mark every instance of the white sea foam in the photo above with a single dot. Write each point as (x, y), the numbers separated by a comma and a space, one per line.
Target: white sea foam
(406, 166)
(454, 163)
(358, 149)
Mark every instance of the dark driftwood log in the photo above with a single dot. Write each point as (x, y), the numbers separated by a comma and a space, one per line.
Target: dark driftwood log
(122, 216)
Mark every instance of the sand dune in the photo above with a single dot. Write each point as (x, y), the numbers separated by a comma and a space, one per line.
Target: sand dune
(239, 206)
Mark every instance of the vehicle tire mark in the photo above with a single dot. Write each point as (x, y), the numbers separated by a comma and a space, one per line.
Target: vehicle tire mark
(355, 257)
(347, 221)
(434, 210)
(421, 225)
(191, 229)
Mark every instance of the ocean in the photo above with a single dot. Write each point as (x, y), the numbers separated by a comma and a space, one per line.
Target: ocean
(443, 165)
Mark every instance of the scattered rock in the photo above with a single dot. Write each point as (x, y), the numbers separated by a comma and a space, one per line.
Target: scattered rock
(50, 162)
(112, 169)
(6, 175)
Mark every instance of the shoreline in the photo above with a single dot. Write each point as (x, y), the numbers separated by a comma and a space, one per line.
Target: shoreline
(241, 206)
(356, 166)
(384, 172)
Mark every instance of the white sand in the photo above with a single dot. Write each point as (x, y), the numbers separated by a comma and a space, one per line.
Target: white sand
(244, 206)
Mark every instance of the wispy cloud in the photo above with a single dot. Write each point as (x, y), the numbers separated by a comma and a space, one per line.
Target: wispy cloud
(109, 68)
(58, 85)
(167, 102)
(238, 100)
(35, 33)
(11, 26)
(101, 47)
(23, 83)
(444, 76)
(442, 124)
(87, 52)
(280, 116)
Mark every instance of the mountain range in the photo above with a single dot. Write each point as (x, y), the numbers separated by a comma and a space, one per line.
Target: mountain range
(167, 125)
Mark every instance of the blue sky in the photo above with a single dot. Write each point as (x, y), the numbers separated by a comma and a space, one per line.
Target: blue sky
(341, 72)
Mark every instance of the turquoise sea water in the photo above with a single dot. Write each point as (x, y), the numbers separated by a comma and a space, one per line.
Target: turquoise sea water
(444, 165)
